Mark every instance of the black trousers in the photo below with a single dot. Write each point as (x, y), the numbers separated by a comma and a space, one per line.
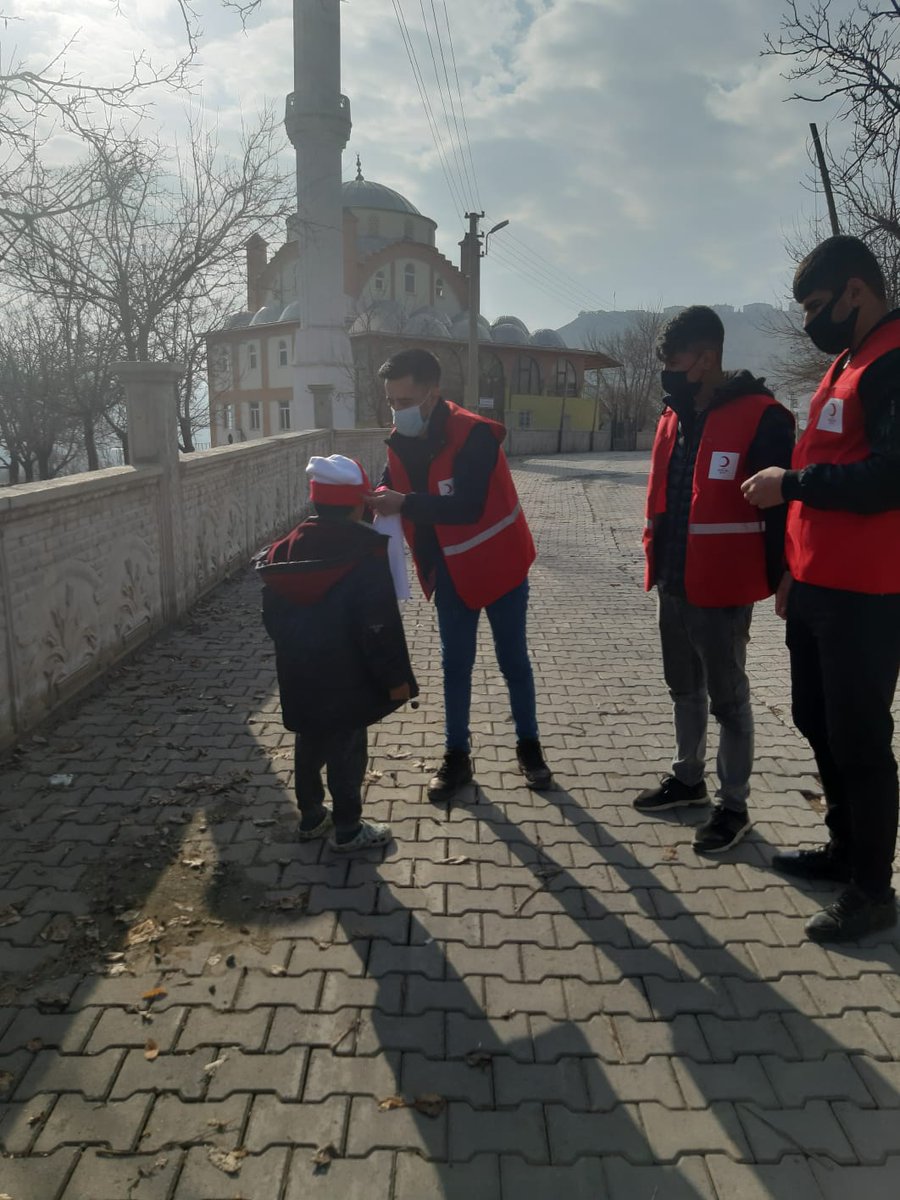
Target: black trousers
(845, 654)
(344, 755)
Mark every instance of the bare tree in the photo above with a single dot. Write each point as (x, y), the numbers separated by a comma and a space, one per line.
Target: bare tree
(630, 390)
(850, 57)
(156, 257)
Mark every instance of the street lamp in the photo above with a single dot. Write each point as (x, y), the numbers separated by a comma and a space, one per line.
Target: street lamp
(475, 254)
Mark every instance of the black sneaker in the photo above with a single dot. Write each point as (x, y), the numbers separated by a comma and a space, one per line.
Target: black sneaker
(852, 916)
(724, 829)
(812, 864)
(454, 773)
(530, 758)
(672, 793)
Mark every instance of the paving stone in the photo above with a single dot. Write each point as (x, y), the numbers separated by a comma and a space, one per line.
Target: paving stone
(638, 1039)
(141, 1176)
(523, 1180)
(90, 1075)
(239, 1072)
(829, 1078)
(209, 1027)
(181, 1073)
(790, 1179)
(76, 1121)
(517, 1131)
(696, 1131)
(872, 1183)
(613, 1083)
(818, 1036)
(576, 1135)
(873, 1134)
(767, 1033)
(275, 1122)
(688, 1180)
(452, 1080)
(349, 1179)
(774, 1133)
(330, 1075)
(36, 1178)
(402, 1128)
(421, 1180)
(260, 1174)
(264, 990)
(381, 1031)
(504, 1035)
(176, 1122)
(564, 1082)
(585, 1000)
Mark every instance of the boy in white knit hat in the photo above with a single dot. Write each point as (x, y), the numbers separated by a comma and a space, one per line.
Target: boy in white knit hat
(330, 607)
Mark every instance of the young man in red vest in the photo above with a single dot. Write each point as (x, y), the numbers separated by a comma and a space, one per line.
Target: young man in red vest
(711, 558)
(448, 478)
(843, 606)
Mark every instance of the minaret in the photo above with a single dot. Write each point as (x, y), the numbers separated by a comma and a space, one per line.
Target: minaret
(318, 123)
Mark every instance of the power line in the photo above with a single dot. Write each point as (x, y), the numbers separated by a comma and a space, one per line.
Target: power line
(455, 195)
(462, 107)
(455, 146)
(554, 279)
(552, 269)
(555, 291)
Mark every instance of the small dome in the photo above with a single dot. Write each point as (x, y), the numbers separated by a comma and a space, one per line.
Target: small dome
(510, 335)
(237, 320)
(549, 338)
(384, 316)
(362, 193)
(266, 315)
(512, 321)
(292, 312)
(460, 328)
(424, 324)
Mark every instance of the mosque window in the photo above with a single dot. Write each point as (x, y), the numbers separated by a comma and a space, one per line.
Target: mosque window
(228, 416)
(408, 229)
(525, 418)
(409, 279)
(252, 356)
(373, 225)
(528, 376)
(255, 422)
(566, 379)
(439, 288)
(379, 281)
(284, 414)
(282, 353)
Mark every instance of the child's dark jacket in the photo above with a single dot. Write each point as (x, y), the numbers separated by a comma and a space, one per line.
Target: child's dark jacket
(329, 606)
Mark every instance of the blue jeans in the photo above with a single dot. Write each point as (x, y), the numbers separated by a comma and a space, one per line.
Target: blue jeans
(458, 627)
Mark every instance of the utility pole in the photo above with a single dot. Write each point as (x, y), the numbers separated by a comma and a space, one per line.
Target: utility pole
(474, 262)
(826, 180)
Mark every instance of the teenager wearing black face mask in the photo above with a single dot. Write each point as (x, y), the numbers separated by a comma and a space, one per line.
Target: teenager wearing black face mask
(711, 558)
(843, 607)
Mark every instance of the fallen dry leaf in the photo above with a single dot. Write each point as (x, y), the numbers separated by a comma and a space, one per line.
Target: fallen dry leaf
(430, 1104)
(457, 861)
(59, 929)
(34, 1045)
(9, 916)
(324, 1155)
(278, 971)
(479, 1058)
(397, 754)
(229, 1161)
(670, 853)
(196, 864)
(373, 776)
(149, 930)
(353, 1027)
(34, 1119)
(151, 1050)
(156, 993)
(392, 1102)
(212, 1067)
(7, 1079)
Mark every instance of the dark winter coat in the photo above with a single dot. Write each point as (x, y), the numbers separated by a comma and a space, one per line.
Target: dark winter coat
(329, 606)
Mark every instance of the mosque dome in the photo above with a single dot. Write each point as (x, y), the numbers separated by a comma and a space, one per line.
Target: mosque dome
(291, 312)
(362, 193)
(460, 328)
(266, 315)
(507, 320)
(237, 320)
(508, 333)
(548, 338)
(427, 322)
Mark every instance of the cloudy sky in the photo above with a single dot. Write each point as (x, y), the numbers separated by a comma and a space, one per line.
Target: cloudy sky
(642, 150)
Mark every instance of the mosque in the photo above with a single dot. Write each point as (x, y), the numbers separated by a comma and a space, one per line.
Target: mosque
(343, 294)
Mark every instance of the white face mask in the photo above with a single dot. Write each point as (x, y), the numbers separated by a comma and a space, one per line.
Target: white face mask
(409, 422)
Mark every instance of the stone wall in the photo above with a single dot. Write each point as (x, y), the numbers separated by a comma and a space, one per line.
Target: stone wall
(91, 565)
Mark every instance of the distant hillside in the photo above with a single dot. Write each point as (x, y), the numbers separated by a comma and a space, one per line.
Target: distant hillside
(749, 343)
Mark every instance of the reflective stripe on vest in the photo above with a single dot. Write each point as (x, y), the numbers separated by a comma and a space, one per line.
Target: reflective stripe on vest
(485, 535)
(727, 527)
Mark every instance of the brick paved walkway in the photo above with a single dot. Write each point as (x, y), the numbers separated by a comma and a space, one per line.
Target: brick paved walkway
(192, 1003)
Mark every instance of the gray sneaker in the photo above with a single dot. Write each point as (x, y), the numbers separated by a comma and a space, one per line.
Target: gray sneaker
(371, 834)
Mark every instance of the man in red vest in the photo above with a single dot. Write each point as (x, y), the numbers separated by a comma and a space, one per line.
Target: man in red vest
(448, 478)
(710, 557)
(843, 606)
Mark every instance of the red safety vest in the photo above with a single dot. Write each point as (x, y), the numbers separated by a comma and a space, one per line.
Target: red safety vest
(855, 552)
(492, 556)
(726, 557)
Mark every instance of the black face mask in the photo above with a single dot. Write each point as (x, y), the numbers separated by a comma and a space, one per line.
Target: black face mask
(829, 336)
(675, 383)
